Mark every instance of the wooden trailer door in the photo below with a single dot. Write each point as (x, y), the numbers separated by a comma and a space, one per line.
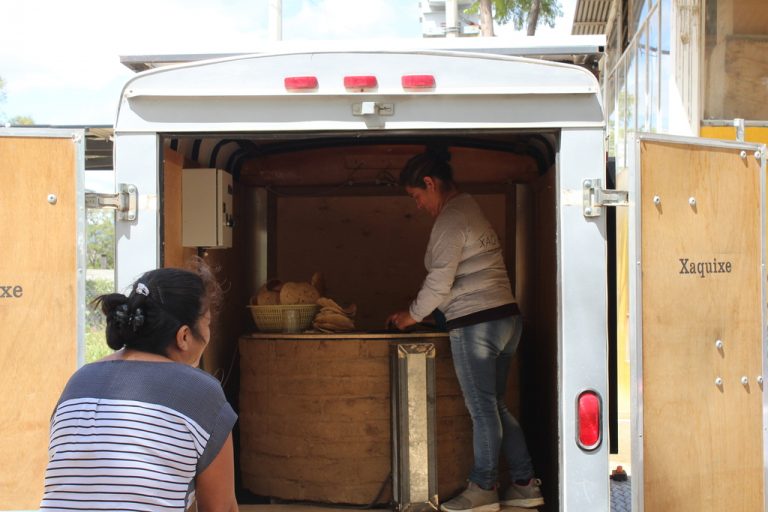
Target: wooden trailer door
(699, 317)
(41, 297)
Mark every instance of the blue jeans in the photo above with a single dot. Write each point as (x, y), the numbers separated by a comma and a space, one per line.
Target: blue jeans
(481, 356)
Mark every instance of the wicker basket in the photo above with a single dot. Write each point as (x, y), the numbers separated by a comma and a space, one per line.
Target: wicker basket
(273, 318)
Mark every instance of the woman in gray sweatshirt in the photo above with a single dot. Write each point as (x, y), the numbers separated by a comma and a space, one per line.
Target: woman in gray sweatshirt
(467, 282)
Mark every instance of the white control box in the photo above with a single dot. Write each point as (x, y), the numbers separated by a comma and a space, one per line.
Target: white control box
(206, 208)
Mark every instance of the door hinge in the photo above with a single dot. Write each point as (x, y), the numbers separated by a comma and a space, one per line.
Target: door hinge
(594, 197)
(126, 201)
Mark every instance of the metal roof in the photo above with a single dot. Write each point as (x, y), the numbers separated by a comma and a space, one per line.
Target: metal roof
(572, 49)
(591, 17)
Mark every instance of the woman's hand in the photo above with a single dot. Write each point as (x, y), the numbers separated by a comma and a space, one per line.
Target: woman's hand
(401, 320)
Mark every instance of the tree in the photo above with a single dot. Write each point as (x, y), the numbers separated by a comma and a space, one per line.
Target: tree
(521, 12)
(100, 239)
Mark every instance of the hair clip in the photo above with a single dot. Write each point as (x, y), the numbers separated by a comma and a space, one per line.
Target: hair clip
(137, 319)
(120, 315)
(142, 289)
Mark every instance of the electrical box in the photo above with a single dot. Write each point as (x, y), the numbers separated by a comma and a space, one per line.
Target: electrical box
(206, 208)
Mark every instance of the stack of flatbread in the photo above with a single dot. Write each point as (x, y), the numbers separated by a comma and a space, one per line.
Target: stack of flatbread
(334, 318)
(275, 292)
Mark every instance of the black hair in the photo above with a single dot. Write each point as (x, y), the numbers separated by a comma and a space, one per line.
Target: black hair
(432, 163)
(159, 303)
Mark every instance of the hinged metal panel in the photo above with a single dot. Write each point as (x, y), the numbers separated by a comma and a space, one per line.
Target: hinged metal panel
(42, 296)
(697, 324)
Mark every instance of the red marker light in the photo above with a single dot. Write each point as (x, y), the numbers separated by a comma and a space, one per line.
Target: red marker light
(301, 83)
(360, 82)
(589, 420)
(418, 81)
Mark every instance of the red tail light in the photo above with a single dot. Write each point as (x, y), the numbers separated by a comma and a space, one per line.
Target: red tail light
(360, 82)
(418, 81)
(589, 431)
(301, 83)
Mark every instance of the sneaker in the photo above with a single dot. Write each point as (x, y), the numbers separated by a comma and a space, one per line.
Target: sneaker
(475, 499)
(524, 496)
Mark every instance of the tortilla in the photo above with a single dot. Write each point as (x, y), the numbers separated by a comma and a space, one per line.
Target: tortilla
(298, 293)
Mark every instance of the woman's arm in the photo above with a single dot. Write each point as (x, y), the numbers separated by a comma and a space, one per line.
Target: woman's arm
(215, 486)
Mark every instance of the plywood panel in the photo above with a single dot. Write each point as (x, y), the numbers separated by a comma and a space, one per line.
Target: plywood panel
(38, 345)
(701, 281)
(370, 249)
(315, 417)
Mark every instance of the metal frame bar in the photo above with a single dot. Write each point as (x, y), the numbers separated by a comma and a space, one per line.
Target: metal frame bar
(412, 383)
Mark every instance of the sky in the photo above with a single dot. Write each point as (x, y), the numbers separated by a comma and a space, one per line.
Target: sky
(61, 60)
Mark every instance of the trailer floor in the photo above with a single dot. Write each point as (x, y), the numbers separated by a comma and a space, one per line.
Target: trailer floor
(310, 508)
(621, 501)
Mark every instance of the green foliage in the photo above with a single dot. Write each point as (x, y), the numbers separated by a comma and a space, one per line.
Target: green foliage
(94, 318)
(21, 121)
(95, 323)
(100, 239)
(517, 11)
(95, 346)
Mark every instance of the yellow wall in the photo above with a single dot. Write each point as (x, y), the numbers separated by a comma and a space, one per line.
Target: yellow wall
(751, 133)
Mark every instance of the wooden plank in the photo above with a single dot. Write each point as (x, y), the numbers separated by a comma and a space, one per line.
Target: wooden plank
(174, 254)
(702, 444)
(38, 349)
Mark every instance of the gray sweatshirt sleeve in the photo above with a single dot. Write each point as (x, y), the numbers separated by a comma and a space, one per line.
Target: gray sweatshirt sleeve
(444, 251)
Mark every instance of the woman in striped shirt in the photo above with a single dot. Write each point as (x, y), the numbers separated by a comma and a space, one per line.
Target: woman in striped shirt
(144, 429)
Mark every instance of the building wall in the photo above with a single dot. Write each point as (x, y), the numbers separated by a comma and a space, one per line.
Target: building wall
(735, 74)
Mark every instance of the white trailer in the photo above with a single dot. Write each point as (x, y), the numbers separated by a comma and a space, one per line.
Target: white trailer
(320, 131)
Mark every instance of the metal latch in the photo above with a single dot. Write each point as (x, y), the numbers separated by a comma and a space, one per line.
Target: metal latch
(126, 201)
(370, 108)
(594, 198)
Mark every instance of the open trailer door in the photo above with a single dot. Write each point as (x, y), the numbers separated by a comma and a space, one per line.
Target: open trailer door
(698, 325)
(42, 287)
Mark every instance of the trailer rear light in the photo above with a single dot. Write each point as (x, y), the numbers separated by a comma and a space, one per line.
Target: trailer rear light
(589, 431)
(360, 82)
(301, 83)
(418, 81)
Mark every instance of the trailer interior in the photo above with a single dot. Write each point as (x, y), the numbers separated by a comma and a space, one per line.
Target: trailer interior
(329, 202)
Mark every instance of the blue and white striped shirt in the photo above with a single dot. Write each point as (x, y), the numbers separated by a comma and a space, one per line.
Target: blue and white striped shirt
(132, 435)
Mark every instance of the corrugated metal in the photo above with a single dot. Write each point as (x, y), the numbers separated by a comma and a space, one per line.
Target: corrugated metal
(591, 17)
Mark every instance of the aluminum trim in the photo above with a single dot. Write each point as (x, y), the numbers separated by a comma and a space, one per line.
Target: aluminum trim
(78, 138)
(697, 141)
(764, 277)
(729, 123)
(635, 326)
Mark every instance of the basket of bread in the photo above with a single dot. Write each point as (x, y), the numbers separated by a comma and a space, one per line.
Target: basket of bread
(285, 307)
(298, 306)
